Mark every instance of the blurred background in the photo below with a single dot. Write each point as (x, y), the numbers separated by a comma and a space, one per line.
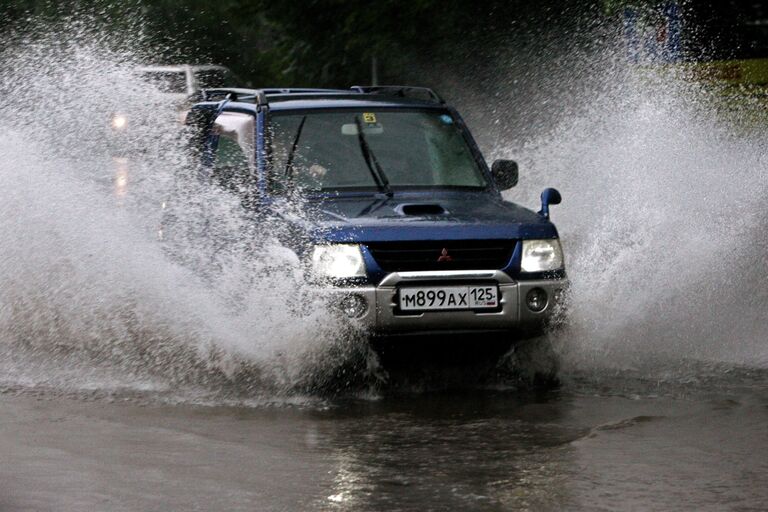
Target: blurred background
(338, 43)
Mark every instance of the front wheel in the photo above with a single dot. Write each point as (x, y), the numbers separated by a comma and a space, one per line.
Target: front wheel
(533, 363)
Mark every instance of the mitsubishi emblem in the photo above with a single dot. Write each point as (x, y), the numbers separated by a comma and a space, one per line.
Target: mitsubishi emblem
(444, 256)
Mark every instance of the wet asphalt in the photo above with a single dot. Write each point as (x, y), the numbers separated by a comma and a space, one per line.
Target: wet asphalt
(587, 445)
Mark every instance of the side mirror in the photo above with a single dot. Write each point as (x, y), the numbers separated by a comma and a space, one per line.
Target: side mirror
(505, 173)
(549, 196)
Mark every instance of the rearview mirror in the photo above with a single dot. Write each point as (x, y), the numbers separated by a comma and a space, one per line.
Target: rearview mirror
(505, 173)
(370, 129)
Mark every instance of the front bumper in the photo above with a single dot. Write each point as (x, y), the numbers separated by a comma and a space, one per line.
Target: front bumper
(383, 318)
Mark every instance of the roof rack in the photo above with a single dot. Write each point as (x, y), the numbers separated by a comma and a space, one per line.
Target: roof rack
(403, 91)
(232, 94)
(299, 90)
(261, 96)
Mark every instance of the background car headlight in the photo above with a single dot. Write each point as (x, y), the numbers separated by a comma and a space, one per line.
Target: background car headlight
(338, 261)
(119, 121)
(541, 255)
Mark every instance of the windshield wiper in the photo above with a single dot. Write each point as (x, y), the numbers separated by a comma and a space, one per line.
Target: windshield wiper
(373, 165)
(289, 161)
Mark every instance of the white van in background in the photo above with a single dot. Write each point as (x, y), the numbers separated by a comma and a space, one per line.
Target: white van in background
(184, 80)
(178, 83)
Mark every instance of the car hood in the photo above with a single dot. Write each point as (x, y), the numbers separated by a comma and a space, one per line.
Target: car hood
(424, 217)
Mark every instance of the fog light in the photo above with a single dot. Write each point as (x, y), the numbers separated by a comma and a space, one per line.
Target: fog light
(536, 300)
(354, 306)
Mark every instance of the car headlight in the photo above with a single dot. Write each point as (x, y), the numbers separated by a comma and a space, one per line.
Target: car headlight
(338, 261)
(541, 255)
(119, 121)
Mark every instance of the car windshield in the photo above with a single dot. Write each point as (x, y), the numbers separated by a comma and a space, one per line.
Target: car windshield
(377, 150)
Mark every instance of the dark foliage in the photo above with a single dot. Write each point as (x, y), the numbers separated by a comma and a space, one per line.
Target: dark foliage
(313, 42)
(333, 42)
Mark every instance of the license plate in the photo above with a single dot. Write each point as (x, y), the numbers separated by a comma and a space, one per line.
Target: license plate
(441, 298)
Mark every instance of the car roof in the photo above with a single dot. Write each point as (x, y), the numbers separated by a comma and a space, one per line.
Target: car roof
(311, 99)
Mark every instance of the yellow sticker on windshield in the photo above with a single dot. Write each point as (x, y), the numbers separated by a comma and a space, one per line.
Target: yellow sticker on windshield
(369, 117)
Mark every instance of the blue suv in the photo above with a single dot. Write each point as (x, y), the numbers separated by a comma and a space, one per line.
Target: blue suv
(406, 228)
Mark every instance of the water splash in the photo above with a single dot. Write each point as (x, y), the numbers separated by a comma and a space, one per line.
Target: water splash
(662, 222)
(664, 180)
(663, 175)
(90, 299)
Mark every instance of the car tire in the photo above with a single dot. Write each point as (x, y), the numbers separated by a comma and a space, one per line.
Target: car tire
(533, 363)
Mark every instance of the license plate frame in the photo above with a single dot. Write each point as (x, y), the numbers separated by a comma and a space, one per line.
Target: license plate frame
(471, 297)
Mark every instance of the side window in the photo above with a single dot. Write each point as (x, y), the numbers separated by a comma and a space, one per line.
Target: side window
(233, 164)
(230, 164)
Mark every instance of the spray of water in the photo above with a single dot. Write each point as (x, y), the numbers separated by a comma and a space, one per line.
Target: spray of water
(663, 175)
(662, 222)
(664, 183)
(90, 299)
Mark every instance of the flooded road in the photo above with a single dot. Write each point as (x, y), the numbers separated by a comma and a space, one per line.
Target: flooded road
(582, 447)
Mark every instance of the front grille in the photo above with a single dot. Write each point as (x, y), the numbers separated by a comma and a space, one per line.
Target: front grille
(442, 255)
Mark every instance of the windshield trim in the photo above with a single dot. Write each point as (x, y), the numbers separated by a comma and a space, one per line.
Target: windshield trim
(373, 191)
